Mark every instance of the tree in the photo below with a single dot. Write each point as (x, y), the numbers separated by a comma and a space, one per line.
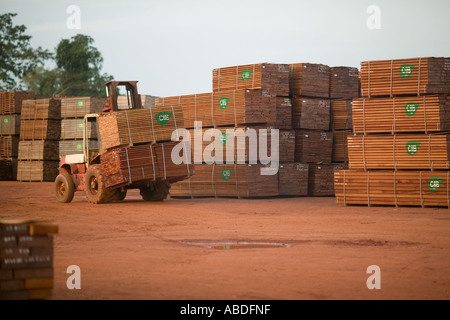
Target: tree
(43, 82)
(17, 57)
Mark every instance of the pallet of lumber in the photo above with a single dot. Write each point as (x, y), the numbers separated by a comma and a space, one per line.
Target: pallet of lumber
(313, 146)
(283, 114)
(40, 129)
(268, 76)
(10, 124)
(293, 179)
(388, 187)
(74, 146)
(199, 184)
(310, 80)
(399, 151)
(167, 169)
(401, 114)
(415, 76)
(344, 83)
(11, 101)
(31, 170)
(340, 146)
(26, 259)
(147, 101)
(74, 128)
(78, 107)
(321, 179)
(341, 114)
(9, 146)
(38, 150)
(131, 127)
(36, 109)
(226, 108)
(8, 169)
(311, 113)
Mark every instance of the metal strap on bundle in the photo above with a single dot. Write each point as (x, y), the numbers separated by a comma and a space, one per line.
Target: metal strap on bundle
(164, 161)
(234, 104)
(128, 166)
(418, 82)
(175, 121)
(425, 114)
(218, 79)
(153, 162)
(253, 72)
(430, 162)
(393, 153)
(237, 77)
(368, 189)
(212, 110)
(420, 189)
(153, 126)
(368, 74)
(393, 108)
(364, 152)
(130, 139)
(395, 188)
(364, 115)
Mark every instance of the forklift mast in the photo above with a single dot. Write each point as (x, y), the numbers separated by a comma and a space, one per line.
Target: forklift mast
(133, 98)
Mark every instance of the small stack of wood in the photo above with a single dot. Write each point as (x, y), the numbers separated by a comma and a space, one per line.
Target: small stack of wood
(40, 131)
(400, 154)
(26, 260)
(147, 101)
(73, 110)
(10, 109)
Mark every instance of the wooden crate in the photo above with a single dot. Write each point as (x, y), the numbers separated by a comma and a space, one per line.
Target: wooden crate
(399, 151)
(11, 101)
(8, 169)
(313, 146)
(74, 146)
(271, 77)
(40, 129)
(340, 146)
(37, 109)
(321, 179)
(131, 127)
(10, 124)
(415, 76)
(311, 113)
(388, 187)
(78, 107)
(401, 114)
(341, 114)
(310, 80)
(9, 147)
(38, 150)
(344, 83)
(74, 128)
(37, 170)
(293, 179)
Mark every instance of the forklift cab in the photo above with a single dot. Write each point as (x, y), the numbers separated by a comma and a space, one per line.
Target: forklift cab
(131, 100)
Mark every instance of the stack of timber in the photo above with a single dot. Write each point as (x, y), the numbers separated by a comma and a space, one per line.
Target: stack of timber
(321, 179)
(142, 164)
(133, 127)
(344, 83)
(313, 146)
(389, 187)
(40, 131)
(147, 101)
(311, 113)
(341, 114)
(310, 80)
(340, 149)
(26, 260)
(199, 184)
(415, 76)
(10, 109)
(293, 179)
(271, 77)
(402, 127)
(73, 110)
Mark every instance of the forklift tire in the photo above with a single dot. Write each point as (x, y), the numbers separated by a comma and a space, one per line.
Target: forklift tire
(64, 187)
(118, 194)
(95, 189)
(155, 192)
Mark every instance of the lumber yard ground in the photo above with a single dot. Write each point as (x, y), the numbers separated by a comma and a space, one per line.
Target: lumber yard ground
(295, 248)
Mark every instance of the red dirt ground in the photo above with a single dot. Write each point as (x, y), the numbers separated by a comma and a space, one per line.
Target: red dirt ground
(134, 249)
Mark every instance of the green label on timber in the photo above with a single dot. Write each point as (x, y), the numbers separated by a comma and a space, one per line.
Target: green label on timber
(223, 103)
(246, 74)
(412, 147)
(80, 104)
(434, 183)
(411, 109)
(223, 138)
(5, 121)
(406, 70)
(79, 146)
(163, 117)
(226, 174)
(80, 125)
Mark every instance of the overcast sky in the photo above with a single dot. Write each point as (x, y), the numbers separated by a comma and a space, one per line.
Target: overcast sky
(171, 46)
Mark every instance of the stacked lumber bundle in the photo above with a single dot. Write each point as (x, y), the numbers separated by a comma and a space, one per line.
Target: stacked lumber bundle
(142, 163)
(8, 169)
(344, 83)
(340, 149)
(415, 76)
(310, 80)
(389, 168)
(293, 179)
(389, 187)
(341, 114)
(147, 101)
(268, 76)
(10, 125)
(131, 127)
(72, 129)
(78, 107)
(321, 179)
(199, 184)
(11, 101)
(9, 146)
(40, 131)
(74, 146)
(402, 114)
(310, 113)
(26, 260)
(313, 146)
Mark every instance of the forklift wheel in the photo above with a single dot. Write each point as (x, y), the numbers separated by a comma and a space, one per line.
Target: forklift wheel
(64, 188)
(156, 192)
(95, 189)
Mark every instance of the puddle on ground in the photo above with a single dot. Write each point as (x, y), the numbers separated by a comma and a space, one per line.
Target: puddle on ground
(231, 244)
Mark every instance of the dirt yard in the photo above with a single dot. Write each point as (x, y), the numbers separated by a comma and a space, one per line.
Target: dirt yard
(294, 248)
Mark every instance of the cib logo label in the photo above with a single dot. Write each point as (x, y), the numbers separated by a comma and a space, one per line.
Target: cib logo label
(223, 103)
(412, 147)
(406, 70)
(434, 183)
(246, 74)
(5, 121)
(411, 109)
(223, 138)
(226, 174)
(163, 117)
